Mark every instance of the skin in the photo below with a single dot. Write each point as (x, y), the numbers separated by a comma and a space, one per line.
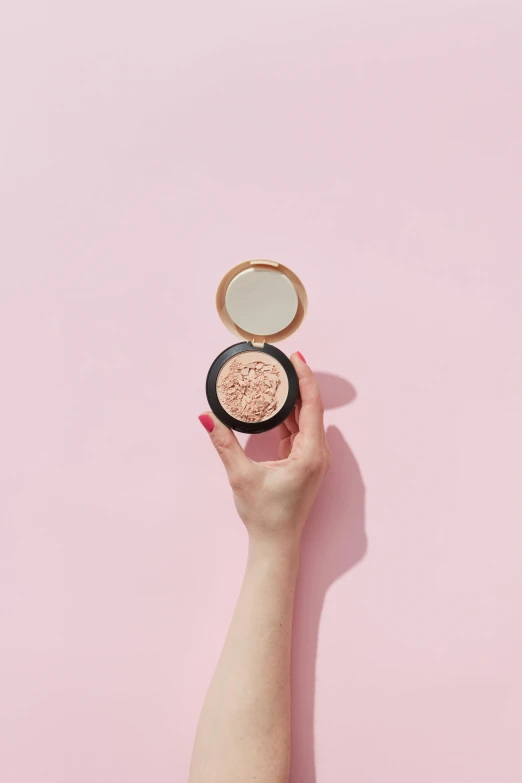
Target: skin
(244, 729)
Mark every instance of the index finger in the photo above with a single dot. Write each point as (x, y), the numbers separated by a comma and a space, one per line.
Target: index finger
(312, 408)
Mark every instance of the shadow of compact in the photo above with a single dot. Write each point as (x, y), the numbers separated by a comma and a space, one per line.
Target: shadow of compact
(334, 541)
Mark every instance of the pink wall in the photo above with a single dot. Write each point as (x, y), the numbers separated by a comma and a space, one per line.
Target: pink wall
(375, 148)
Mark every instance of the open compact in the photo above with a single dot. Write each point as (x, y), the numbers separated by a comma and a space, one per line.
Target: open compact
(252, 386)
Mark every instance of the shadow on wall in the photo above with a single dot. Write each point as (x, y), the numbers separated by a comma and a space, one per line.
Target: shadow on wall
(333, 542)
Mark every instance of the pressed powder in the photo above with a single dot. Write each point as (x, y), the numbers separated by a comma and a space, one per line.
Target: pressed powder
(252, 386)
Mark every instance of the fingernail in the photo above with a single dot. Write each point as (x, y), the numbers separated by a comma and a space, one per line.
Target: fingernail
(207, 421)
(301, 356)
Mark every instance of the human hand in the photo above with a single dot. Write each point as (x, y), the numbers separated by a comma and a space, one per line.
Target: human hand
(274, 498)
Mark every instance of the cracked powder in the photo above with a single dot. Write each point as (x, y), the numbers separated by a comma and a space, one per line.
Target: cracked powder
(252, 386)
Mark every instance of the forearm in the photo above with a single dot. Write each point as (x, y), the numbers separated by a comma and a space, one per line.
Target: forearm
(244, 729)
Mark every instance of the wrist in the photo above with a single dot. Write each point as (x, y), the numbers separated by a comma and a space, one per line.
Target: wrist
(280, 550)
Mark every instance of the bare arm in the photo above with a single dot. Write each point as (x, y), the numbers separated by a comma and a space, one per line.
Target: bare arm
(244, 728)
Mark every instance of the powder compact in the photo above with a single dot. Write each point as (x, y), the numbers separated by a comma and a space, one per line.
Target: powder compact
(252, 386)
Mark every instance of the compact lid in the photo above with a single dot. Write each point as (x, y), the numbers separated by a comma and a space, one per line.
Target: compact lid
(261, 301)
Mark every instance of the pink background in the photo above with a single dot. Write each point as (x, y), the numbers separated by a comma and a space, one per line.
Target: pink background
(375, 148)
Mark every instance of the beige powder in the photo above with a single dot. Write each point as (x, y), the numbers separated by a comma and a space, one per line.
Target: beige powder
(252, 386)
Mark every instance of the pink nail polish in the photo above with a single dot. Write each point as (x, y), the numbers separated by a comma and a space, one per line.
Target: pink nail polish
(301, 356)
(207, 421)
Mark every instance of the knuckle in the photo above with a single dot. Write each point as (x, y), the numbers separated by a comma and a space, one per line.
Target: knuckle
(318, 463)
(222, 446)
(237, 482)
(240, 481)
(315, 401)
(314, 466)
(310, 387)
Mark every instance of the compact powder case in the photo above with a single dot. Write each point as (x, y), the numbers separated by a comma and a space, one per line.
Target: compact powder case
(252, 386)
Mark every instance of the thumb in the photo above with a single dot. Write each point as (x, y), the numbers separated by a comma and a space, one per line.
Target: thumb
(227, 446)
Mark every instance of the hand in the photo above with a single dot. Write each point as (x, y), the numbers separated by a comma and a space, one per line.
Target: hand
(274, 498)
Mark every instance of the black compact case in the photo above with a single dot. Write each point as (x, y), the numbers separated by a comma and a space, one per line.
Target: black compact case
(252, 427)
(262, 302)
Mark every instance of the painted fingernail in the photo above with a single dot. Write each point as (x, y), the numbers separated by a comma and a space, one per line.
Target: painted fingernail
(301, 356)
(207, 421)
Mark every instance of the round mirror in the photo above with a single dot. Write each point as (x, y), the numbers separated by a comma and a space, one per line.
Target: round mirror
(261, 301)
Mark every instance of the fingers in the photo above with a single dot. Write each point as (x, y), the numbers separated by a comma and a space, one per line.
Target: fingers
(227, 446)
(285, 447)
(290, 425)
(283, 430)
(310, 415)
